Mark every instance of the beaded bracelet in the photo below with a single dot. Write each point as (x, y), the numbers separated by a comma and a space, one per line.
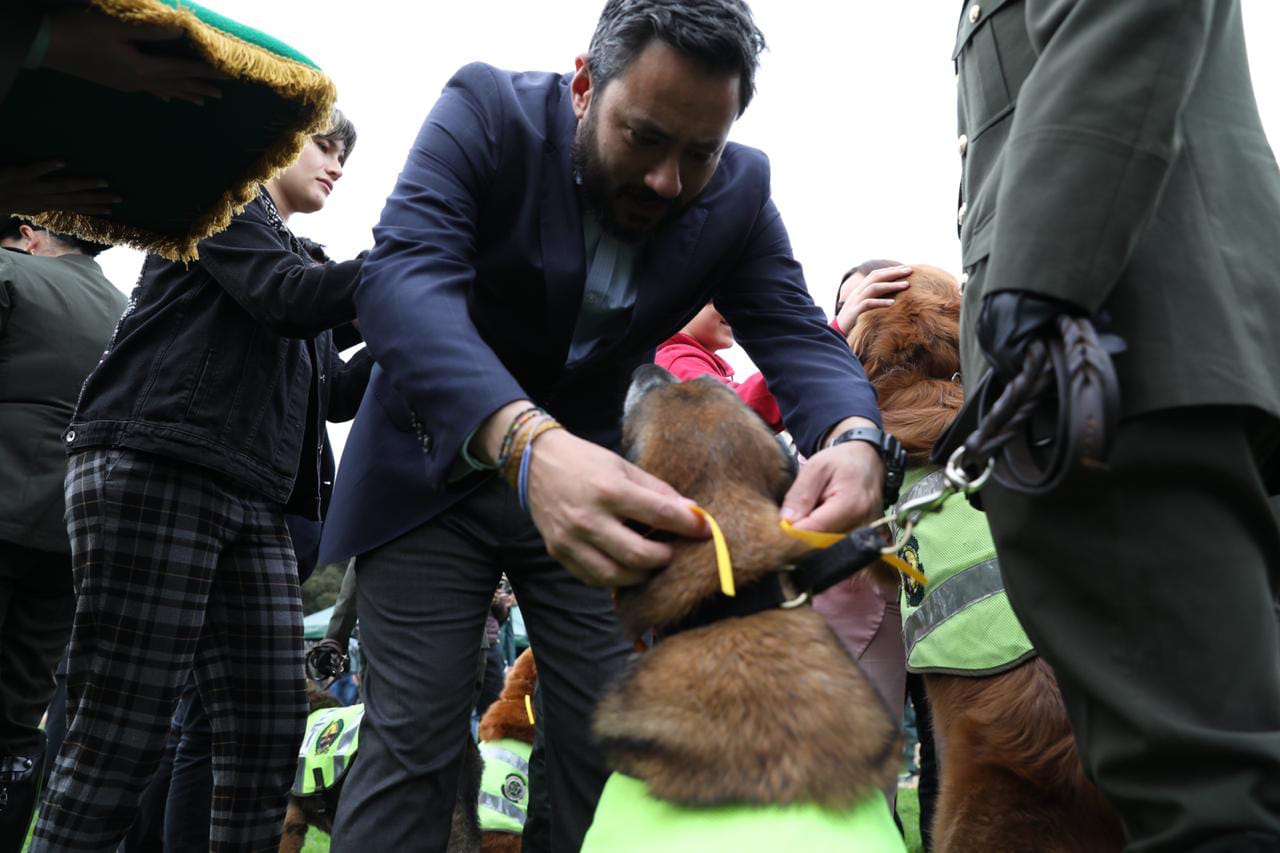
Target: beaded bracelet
(504, 453)
(511, 465)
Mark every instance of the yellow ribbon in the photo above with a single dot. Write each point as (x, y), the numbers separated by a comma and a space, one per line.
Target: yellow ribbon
(528, 707)
(723, 564)
(811, 537)
(826, 540)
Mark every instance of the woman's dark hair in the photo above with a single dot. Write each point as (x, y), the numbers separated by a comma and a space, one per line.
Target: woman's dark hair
(341, 130)
(718, 34)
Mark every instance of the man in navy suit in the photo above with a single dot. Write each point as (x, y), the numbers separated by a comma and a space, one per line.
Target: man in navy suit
(546, 233)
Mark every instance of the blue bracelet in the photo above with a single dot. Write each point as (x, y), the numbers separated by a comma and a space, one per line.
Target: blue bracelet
(522, 481)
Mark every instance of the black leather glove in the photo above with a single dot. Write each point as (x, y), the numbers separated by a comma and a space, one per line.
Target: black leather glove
(1011, 319)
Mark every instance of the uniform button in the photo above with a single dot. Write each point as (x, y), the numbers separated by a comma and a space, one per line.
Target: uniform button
(964, 208)
(964, 279)
(975, 12)
(321, 377)
(963, 143)
(71, 436)
(426, 443)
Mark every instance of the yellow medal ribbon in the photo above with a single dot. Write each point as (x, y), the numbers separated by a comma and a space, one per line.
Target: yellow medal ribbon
(811, 537)
(723, 564)
(826, 540)
(528, 707)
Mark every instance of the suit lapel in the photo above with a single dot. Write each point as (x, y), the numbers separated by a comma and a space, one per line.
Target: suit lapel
(564, 264)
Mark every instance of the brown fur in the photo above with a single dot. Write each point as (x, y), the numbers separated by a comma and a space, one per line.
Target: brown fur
(509, 718)
(763, 709)
(1011, 778)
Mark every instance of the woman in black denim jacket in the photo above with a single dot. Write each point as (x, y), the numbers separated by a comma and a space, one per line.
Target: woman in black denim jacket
(200, 429)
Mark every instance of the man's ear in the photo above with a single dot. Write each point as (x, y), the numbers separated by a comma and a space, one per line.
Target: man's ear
(31, 238)
(581, 87)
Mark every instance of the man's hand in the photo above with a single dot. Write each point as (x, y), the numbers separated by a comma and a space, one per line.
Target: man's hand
(104, 50)
(579, 496)
(876, 290)
(36, 188)
(838, 488)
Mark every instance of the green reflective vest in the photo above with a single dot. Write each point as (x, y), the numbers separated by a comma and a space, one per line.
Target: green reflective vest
(504, 787)
(328, 749)
(629, 818)
(961, 621)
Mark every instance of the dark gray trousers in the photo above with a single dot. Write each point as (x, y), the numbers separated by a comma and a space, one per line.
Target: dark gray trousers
(422, 601)
(1150, 587)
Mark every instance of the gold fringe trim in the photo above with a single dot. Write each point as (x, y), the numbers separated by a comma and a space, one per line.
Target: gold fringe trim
(290, 79)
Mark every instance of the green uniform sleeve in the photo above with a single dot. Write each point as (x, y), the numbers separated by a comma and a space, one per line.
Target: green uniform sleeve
(1093, 136)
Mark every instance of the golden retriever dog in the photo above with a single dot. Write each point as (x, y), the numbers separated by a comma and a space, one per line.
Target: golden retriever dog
(1010, 775)
(743, 714)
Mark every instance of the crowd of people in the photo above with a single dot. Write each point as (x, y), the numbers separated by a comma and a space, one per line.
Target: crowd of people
(169, 483)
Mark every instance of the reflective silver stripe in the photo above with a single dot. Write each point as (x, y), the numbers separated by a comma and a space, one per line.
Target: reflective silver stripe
(344, 743)
(506, 756)
(299, 779)
(502, 806)
(974, 584)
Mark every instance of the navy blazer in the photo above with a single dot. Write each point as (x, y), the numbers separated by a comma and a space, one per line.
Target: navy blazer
(471, 293)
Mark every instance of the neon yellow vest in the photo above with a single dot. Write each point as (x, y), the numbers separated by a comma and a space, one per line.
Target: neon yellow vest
(961, 621)
(504, 787)
(631, 820)
(328, 749)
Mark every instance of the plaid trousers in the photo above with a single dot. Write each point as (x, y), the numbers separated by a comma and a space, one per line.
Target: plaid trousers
(177, 570)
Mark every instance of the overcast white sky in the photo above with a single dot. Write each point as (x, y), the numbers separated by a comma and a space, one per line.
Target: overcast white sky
(855, 106)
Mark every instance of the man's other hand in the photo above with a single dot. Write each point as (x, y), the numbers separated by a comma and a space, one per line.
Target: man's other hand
(875, 291)
(580, 495)
(37, 187)
(105, 50)
(838, 489)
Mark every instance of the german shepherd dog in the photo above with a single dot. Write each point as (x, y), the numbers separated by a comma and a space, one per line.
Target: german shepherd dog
(758, 710)
(1011, 778)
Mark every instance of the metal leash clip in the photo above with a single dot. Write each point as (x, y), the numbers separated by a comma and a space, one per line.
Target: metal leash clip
(908, 514)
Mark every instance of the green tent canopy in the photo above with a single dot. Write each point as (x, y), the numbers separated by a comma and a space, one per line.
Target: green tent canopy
(183, 170)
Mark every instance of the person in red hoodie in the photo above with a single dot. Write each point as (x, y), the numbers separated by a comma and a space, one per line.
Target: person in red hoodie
(691, 352)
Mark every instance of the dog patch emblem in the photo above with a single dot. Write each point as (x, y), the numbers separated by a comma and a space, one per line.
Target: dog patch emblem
(911, 554)
(329, 736)
(513, 788)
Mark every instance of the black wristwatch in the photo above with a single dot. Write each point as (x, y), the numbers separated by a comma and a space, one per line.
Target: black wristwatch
(892, 454)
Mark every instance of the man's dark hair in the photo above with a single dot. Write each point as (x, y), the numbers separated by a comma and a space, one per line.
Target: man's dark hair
(10, 230)
(864, 268)
(718, 34)
(341, 130)
(9, 226)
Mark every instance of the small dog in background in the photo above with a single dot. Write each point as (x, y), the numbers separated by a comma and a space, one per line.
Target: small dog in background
(318, 807)
(754, 732)
(1011, 778)
(506, 741)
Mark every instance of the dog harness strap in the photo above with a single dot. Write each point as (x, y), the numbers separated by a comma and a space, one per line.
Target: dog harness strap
(789, 588)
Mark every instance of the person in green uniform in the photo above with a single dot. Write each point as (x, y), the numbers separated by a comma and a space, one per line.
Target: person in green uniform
(1114, 165)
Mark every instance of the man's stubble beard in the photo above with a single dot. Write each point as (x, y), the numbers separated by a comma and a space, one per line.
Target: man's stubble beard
(600, 193)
